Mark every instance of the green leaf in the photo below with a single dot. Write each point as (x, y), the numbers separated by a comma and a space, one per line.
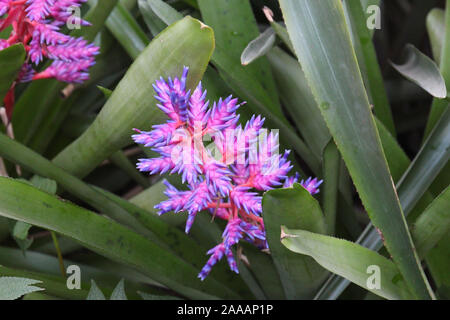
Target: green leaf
(436, 31)
(97, 15)
(368, 63)
(438, 261)
(106, 238)
(44, 184)
(428, 163)
(331, 165)
(12, 288)
(119, 292)
(11, 60)
(433, 224)
(185, 43)
(153, 22)
(423, 71)
(298, 100)
(20, 235)
(322, 43)
(95, 293)
(234, 27)
(349, 260)
(106, 92)
(127, 31)
(295, 207)
(258, 47)
(279, 29)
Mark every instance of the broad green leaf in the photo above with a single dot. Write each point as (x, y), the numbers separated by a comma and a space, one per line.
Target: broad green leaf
(349, 260)
(433, 224)
(322, 43)
(106, 238)
(368, 63)
(295, 207)
(423, 71)
(21, 229)
(11, 60)
(95, 293)
(12, 288)
(190, 43)
(258, 47)
(119, 292)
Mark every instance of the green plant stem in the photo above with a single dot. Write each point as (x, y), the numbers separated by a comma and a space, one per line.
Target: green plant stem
(58, 252)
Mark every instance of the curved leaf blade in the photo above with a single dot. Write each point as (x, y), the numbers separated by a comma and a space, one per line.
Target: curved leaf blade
(299, 275)
(349, 260)
(423, 71)
(258, 47)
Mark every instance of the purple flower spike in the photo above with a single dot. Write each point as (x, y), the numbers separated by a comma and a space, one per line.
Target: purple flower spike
(312, 185)
(38, 9)
(37, 25)
(225, 175)
(216, 254)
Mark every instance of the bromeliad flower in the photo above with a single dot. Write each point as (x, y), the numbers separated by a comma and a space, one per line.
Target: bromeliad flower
(36, 24)
(225, 177)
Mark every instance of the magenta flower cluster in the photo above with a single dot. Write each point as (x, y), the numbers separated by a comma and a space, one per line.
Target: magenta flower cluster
(224, 175)
(36, 24)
